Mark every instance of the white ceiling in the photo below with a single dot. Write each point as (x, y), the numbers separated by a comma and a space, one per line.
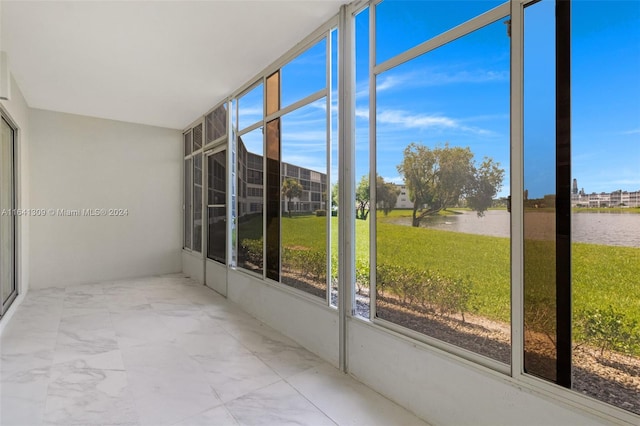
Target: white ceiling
(161, 63)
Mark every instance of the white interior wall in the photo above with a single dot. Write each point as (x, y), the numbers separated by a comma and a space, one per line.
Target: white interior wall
(444, 390)
(193, 265)
(79, 162)
(311, 324)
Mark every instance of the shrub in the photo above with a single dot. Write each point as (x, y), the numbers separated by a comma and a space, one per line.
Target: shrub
(442, 295)
(362, 274)
(308, 263)
(320, 213)
(609, 330)
(252, 249)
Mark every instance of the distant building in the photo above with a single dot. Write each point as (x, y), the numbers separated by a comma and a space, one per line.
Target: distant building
(403, 201)
(250, 189)
(606, 199)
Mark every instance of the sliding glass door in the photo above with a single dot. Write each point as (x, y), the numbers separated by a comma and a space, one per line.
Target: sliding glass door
(7, 219)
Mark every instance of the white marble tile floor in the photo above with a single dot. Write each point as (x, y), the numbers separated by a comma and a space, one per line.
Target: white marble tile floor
(166, 351)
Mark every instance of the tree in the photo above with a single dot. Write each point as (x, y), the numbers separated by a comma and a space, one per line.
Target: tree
(335, 196)
(485, 186)
(386, 195)
(362, 198)
(291, 188)
(441, 177)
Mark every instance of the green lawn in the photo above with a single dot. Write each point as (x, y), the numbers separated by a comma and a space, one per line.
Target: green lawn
(602, 275)
(606, 210)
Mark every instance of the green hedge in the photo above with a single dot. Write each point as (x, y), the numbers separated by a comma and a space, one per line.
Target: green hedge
(433, 291)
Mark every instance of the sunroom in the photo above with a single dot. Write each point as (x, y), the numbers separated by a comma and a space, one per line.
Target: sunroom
(394, 196)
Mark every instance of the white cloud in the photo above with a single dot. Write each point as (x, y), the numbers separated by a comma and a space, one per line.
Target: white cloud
(391, 81)
(294, 138)
(427, 121)
(362, 113)
(309, 162)
(398, 180)
(415, 120)
(632, 132)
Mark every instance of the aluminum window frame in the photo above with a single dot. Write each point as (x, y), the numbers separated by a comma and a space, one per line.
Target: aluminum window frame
(468, 27)
(344, 21)
(5, 305)
(199, 122)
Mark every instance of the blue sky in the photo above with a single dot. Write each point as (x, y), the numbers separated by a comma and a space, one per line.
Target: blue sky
(459, 93)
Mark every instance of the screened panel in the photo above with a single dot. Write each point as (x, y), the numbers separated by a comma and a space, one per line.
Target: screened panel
(187, 143)
(250, 193)
(197, 202)
(272, 189)
(305, 74)
(407, 23)
(442, 227)
(303, 199)
(188, 174)
(216, 206)
(251, 107)
(216, 123)
(197, 137)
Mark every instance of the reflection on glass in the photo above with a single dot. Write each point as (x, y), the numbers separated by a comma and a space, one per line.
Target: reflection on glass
(7, 281)
(187, 202)
(362, 162)
(273, 92)
(409, 23)
(305, 75)
(197, 137)
(304, 198)
(251, 106)
(605, 196)
(250, 193)
(273, 200)
(216, 206)
(442, 159)
(540, 188)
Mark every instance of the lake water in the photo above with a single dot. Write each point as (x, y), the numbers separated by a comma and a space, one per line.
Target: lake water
(617, 229)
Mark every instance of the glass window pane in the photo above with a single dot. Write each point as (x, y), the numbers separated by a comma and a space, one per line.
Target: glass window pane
(251, 107)
(305, 75)
(443, 230)
(197, 202)
(250, 193)
(605, 259)
(332, 190)
(304, 206)
(273, 200)
(403, 24)
(216, 206)
(216, 122)
(540, 356)
(187, 203)
(362, 163)
(273, 92)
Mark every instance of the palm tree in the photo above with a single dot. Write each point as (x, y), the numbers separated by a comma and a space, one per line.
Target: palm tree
(291, 188)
